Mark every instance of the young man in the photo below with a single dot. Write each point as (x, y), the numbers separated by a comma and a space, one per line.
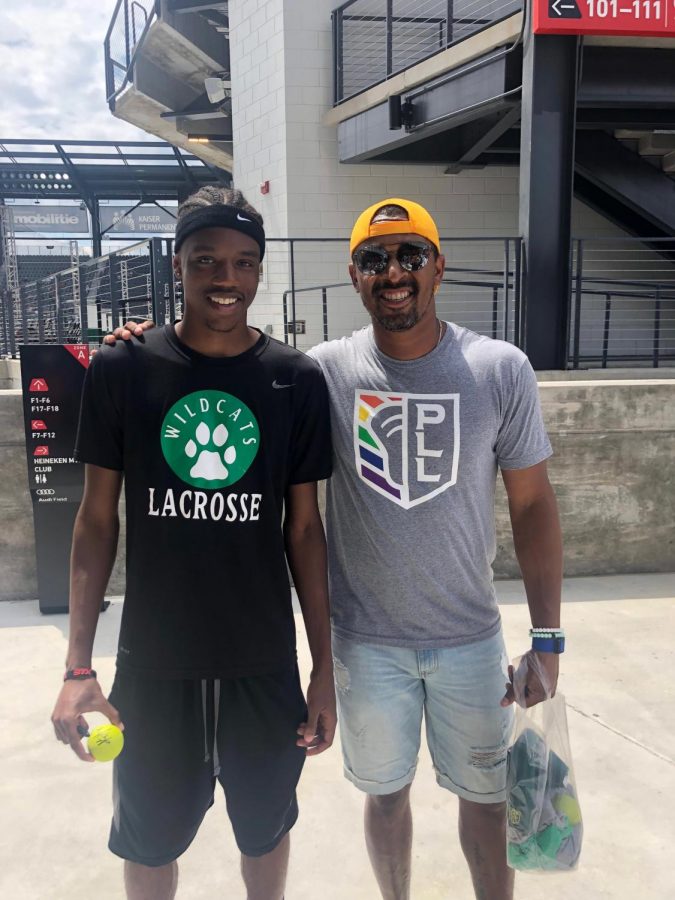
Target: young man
(424, 413)
(220, 434)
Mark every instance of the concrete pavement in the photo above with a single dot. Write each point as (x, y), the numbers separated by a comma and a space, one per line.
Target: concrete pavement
(619, 680)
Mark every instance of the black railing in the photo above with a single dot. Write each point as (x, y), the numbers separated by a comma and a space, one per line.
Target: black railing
(623, 302)
(622, 309)
(129, 25)
(481, 289)
(375, 39)
(82, 303)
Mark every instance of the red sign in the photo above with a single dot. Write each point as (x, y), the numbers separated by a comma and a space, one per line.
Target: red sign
(38, 386)
(646, 18)
(37, 425)
(41, 450)
(80, 352)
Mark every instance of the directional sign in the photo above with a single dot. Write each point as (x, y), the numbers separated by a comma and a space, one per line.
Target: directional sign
(52, 377)
(646, 18)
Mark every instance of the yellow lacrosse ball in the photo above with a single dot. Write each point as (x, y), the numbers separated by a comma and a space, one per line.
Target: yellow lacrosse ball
(105, 742)
(567, 805)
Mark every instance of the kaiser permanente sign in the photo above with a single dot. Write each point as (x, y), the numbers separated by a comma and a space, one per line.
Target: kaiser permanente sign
(44, 219)
(642, 18)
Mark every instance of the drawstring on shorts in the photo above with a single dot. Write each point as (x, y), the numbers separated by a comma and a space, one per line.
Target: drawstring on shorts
(208, 755)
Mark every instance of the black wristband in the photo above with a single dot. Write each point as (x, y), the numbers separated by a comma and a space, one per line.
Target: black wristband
(79, 674)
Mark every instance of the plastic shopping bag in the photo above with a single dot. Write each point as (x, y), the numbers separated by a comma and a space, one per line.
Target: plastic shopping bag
(543, 826)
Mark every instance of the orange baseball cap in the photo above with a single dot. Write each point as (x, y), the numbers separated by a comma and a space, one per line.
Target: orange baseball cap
(418, 222)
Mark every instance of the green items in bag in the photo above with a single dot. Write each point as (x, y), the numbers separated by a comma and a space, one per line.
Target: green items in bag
(544, 826)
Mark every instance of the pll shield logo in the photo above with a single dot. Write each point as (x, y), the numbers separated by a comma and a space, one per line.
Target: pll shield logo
(407, 445)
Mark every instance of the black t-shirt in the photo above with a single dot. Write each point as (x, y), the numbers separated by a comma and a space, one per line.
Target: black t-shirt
(208, 447)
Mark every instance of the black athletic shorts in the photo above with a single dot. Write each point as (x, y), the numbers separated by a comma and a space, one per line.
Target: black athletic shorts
(180, 736)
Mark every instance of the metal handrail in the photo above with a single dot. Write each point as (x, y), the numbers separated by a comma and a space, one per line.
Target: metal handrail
(446, 37)
(111, 92)
(503, 281)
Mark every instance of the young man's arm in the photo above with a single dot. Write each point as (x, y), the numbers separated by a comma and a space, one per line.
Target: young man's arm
(306, 552)
(538, 543)
(92, 557)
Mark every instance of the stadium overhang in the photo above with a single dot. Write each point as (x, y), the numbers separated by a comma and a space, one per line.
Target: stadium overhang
(90, 171)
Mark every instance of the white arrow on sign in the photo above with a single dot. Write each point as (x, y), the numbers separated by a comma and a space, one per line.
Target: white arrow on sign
(557, 7)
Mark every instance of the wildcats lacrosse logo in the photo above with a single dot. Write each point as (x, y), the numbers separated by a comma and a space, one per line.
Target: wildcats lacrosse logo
(407, 445)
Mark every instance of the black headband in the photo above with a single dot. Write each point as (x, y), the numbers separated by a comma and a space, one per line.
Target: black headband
(219, 216)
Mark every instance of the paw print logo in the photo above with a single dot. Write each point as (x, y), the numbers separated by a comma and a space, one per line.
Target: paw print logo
(209, 439)
(210, 464)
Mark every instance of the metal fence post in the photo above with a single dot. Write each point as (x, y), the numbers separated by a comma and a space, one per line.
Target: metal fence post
(605, 330)
(40, 312)
(126, 32)
(24, 314)
(495, 310)
(8, 322)
(507, 277)
(115, 285)
(292, 260)
(656, 348)
(577, 303)
(170, 282)
(324, 306)
(339, 55)
(518, 278)
(449, 22)
(390, 37)
(58, 324)
(158, 280)
(284, 302)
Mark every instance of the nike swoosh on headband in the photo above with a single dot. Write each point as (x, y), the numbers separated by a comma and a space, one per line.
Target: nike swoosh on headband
(243, 219)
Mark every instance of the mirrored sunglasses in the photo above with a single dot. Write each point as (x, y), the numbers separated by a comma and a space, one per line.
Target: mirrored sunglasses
(374, 260)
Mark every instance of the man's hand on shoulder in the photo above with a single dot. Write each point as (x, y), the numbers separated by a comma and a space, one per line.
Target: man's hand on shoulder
(127, 331)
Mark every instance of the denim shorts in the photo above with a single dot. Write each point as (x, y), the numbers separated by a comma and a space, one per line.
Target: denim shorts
(382, 693)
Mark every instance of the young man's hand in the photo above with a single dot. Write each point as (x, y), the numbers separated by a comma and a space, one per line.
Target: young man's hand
(127, 331)
(76, 698)
(317, 733)
(535, 680)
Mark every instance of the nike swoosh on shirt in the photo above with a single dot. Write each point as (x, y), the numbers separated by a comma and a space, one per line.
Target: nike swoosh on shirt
(275, 384)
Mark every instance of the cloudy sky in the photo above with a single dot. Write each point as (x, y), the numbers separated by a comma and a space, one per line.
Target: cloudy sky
(52, 81)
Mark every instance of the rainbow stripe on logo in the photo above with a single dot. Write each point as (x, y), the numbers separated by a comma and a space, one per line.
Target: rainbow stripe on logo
(372, 459)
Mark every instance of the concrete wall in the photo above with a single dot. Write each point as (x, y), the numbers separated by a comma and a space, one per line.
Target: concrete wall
(613, 473)
(614, 444)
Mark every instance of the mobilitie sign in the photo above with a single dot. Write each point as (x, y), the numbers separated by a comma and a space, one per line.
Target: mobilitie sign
(646, 18)
(45, 219)
(142, 220)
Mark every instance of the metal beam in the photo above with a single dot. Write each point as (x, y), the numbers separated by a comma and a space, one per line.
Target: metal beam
(436, 110)
(626, 177)
(550, 73)
(630, 77)
(488, 137)
(614, 118)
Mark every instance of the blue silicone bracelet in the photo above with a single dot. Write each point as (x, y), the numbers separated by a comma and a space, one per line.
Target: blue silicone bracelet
(548, 644)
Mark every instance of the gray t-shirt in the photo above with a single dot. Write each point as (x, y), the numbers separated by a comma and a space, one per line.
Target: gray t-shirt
(410, 505)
